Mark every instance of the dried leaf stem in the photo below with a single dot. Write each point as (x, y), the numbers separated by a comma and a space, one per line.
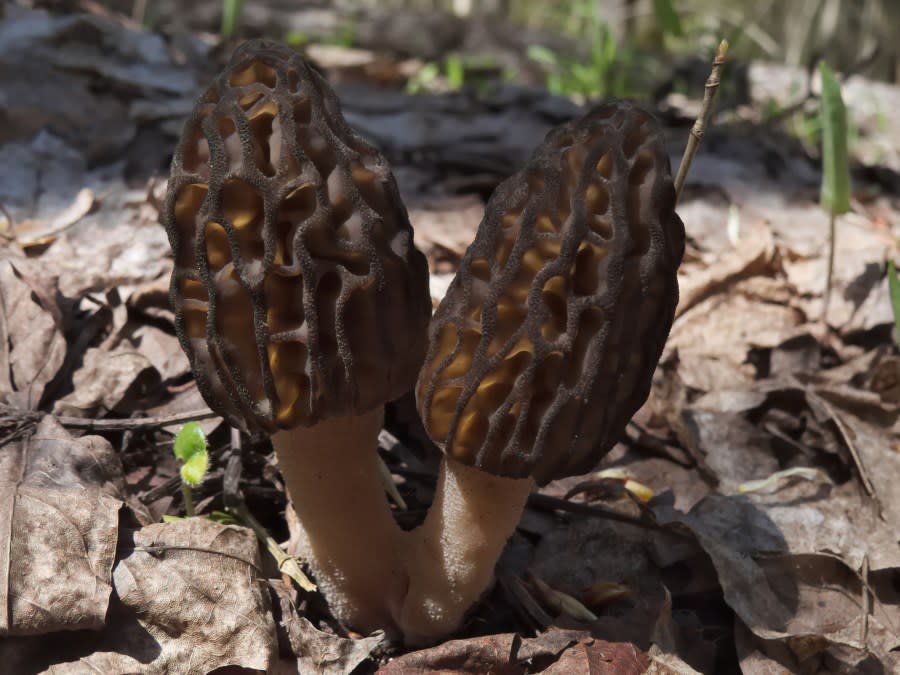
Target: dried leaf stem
(829, 273)
(287, 564)
(235, 505)
(10, 415)
(699, 128)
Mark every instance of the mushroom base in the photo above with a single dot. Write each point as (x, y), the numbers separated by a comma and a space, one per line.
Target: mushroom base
(451, 556)
(416, 586)
(349, 537)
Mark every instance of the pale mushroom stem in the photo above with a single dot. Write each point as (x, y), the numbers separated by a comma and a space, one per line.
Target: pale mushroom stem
(350, 539)
(451, 556)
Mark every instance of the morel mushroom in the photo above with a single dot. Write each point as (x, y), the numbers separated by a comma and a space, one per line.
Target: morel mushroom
(301, 302)
(545, 344)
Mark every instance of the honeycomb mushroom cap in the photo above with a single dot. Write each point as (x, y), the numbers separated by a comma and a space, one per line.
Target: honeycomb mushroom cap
(547, 339)
(298, 291)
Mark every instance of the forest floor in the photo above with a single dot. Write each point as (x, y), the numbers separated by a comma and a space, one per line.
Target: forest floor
(716, 573)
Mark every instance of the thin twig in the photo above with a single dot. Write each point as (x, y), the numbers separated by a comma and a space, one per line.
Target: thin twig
(287, 564)
(699, 128)
(866, 600)
(830, 271)
(235, 505)
(10, 224)
(387, 481)
(9, 414)
(537, 500)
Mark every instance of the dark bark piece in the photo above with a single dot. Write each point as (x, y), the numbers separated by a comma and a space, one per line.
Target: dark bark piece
(546, 341)
(297, 289)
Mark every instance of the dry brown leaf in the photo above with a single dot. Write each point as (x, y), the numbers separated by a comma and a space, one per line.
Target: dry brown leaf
(730, 448)
(557, 650)
(762, 657)
(781, 591)
(109, 381)
(490, 654)
(38, 234)
(103, 252)
(188, 600)
(596, 657)
(662, 663)
(59, 517)
(162, 350)
(755, 255)
(574, 556)
(32, 347)
(714, 338)
(316, 651)
(196, 601)
(446, 227)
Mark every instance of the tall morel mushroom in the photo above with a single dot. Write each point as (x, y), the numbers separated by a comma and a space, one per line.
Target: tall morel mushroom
(301, 301)
(546, 342)
(303, 306)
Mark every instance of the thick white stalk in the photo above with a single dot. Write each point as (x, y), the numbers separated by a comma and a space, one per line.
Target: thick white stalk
(350, 538)
(451, 557)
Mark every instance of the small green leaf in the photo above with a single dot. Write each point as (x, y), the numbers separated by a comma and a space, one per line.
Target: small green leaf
(543, 55)
(223, 518)
(193, 470)
(894, 289)
(297, 39)
(189, 441)
(171, 519)
(456, 71)
(835, 195)
(190, 448)
(667, 17)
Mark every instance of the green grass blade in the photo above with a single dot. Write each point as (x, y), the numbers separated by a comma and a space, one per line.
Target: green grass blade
(456, 72)
(667, 17)
(542, 54)
(894, 289)
(835, 196)
(231, 11)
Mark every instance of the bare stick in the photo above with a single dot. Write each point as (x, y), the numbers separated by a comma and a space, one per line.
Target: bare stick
(234, 504)
(287, 564)
(830, 272)
(9, 415)
(699, 128)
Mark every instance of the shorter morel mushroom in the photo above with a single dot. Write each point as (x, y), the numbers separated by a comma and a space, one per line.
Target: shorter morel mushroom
(545, 344)
(302, 304)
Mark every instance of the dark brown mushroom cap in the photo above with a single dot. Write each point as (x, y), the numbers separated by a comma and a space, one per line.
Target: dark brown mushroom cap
(297, 289)
(547, 339)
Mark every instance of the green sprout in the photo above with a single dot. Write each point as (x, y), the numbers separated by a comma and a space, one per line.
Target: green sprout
(894, 290)
(667, 17)
(231, 12)
(602, 74)
(190, 449)
(835, 195)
